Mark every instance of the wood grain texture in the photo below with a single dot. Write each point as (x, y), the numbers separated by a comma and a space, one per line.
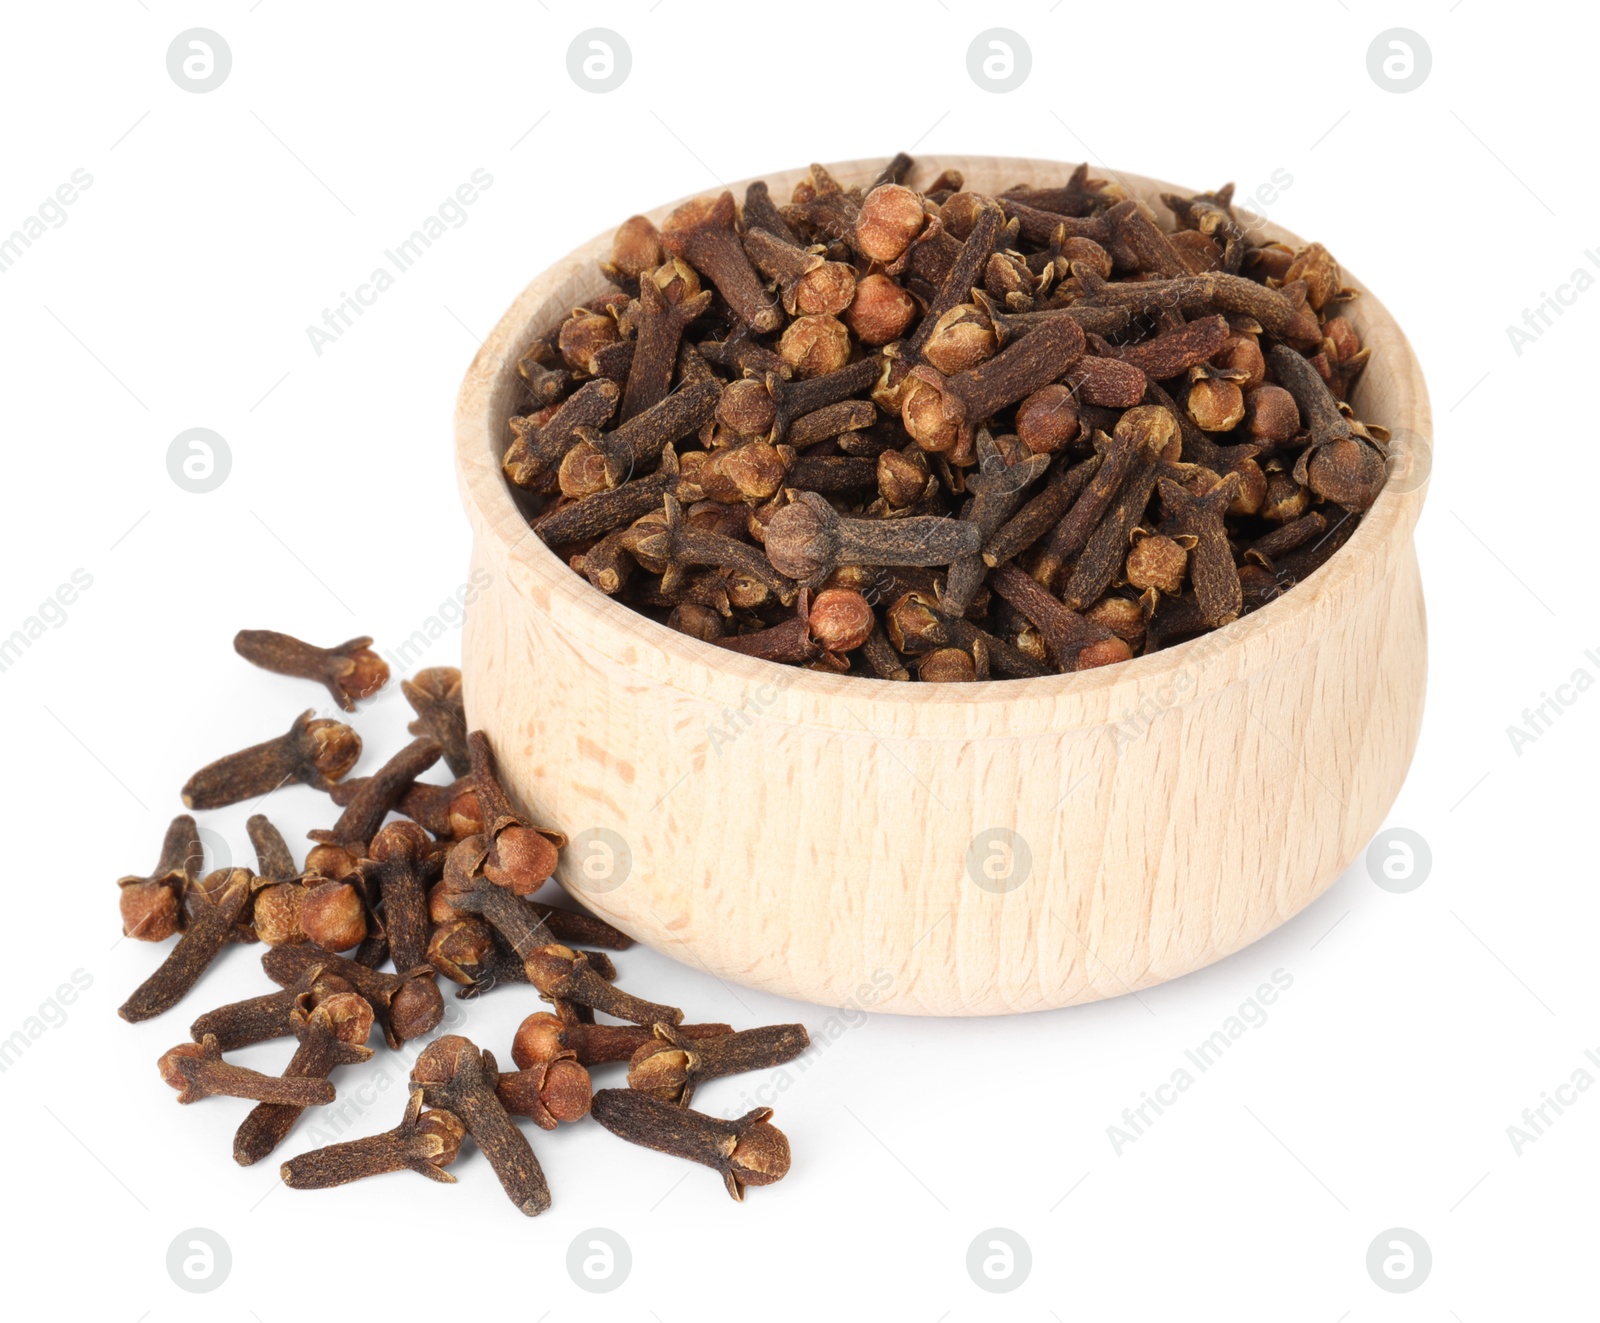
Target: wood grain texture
(809, 834)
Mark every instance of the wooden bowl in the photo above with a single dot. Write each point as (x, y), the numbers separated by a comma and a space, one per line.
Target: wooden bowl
(946, 849)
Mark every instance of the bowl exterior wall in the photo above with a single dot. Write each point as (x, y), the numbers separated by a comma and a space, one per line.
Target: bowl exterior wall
(977, 876)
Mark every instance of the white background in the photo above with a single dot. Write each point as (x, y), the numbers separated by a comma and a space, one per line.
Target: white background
(177, 293)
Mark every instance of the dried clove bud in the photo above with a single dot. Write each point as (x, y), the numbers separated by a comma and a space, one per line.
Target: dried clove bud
(152, 906)
(406, 1005)
(562, 974)
(350, 670)
(198, 1071)
(208, 928)
(423, 1142)
(259, 1019)
(543, 1037)
(453, 1074)
(673, 1066)
(701, 232)
(332, 1034)
(747, 1151)
(345, 845)
(549, 1092)
(808, 539)
(313, 751)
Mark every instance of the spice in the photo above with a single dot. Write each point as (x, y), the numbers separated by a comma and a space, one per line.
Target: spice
(423, 1142)
(435, 696)
(314, 751)
(342, 847)
(549, 1092)
(226, 894)
(562, 974)
(331, 1034)
(454, 1074)
(271, 1015)
(350, 670)
(461, 907)
(871, 389)
(152, 907)
(198, 1071)
(544, 1036)
(674, 1065)
(406, 1005)
(748, 1151)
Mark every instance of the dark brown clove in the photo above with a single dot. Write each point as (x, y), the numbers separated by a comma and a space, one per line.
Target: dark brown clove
(548, 1092)
(701, 232)
(406, 1005)
(597, 515)
(349, 671)
(152, 907)
(808, 284)
(314, 751)
(808, 539)
(941, 411)
(423, 1142)
(661, 325)
(362, 817)
(227, 893)
(747, 1151)
(332, 1034)
(1211, 567)
(455, 1075)
(543, 1037)
(1146, 431)
(562, 974)
(435, 696)
(537, 451)
(397, 853)
(673, 1066)
(198, 1071)
(998, 489)
(1066, 633)
(519, 856)
(1107, 547)
(260, 1019)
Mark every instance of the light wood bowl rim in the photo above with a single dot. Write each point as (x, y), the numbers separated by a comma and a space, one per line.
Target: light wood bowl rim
(951, 711)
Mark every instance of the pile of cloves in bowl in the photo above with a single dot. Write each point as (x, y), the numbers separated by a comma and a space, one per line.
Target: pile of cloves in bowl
(429, 879)
(939, 435)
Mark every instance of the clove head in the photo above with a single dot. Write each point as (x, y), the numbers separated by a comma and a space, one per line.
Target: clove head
(332, 915)
(522, 860)
(541, 1037)
(662, 1070)
(840, 619)
(347, 1015)
(803, 538)
(150, 909)
(277, 911)
(417, 1006)
(891, 217)
(760, 1153)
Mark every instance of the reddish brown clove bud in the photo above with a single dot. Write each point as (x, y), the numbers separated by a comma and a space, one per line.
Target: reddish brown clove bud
(349, 671)
(313, 751)
(423, 1142)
